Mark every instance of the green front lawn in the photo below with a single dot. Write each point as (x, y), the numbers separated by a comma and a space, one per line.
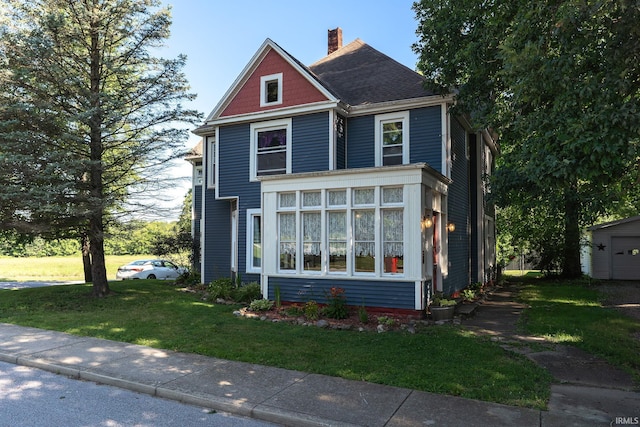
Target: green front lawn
(440, 359)
(572, 313)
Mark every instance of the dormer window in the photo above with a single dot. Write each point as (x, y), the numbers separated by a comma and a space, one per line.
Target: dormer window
(271, 90)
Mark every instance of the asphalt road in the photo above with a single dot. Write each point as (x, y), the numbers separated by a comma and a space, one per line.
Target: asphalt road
(32, 284)
(31, 397)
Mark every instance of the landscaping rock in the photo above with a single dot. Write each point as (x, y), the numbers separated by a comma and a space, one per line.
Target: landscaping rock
(322, 324)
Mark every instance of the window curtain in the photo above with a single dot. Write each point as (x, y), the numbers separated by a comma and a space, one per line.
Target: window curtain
(392, 228)
(287, 233)
(364, 233)
(312, 232)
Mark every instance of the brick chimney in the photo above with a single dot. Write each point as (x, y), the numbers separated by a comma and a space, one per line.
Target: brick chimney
(335, 40)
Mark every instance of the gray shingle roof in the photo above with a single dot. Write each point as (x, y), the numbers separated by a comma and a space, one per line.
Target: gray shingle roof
(359, 75)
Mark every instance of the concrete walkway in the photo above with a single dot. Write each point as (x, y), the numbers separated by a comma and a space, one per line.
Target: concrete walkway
(587, 390)
(300, 399)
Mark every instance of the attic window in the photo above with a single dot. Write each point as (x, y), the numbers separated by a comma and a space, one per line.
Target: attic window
(271, 90)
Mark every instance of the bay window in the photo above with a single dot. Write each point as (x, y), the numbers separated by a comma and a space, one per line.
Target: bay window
(348, 231)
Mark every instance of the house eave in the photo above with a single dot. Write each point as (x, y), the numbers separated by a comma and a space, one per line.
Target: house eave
(437, 180)
(380, 107)
(259, 116)
(205, 130)
(614, 223)
(193, 158)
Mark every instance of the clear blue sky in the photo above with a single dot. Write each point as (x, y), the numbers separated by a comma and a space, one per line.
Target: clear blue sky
(220, 37)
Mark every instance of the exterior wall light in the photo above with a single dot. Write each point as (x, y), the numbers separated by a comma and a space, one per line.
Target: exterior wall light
(427, 222)
(451, 227)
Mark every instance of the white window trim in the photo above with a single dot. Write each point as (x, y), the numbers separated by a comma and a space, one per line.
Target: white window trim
(380, 119)
(212, 159)
(264, 126)
(263, 89)
(250, 268)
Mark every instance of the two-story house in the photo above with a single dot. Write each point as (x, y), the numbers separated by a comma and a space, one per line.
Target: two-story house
(345, 173)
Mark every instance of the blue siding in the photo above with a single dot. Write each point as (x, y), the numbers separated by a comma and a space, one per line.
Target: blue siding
(458, 210)
(361, 142)
(310, 143)
(474, 210)
(197, 214)
(425, 140)
(216, 260)
(358, 292)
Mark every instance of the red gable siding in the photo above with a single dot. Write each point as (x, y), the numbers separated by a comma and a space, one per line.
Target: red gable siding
(296, 90)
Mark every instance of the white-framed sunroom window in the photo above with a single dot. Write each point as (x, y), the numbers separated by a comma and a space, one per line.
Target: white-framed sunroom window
(270, 148)
(336, 214)
(392, 138)
(346, 231)
(392, 214)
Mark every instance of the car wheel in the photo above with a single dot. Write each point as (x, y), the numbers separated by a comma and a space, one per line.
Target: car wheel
(151, 276)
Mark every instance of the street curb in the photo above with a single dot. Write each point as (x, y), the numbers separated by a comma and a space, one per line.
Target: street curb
(259, 411)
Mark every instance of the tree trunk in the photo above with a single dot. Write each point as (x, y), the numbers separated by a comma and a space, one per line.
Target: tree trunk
(96, 223)
(571, 268)
(86, 259)
(96, 246)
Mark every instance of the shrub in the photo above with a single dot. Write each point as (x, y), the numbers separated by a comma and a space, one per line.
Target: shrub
(221, 288)
(311, 310)
(188, 279)
(387, 321)
(469, 294)
(294, 310)
(336, 304)
(247, 292)
(260, 305)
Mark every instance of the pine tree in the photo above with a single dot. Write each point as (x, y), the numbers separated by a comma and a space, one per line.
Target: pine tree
(88, 117)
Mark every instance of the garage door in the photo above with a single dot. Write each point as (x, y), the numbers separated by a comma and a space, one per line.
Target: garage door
(626, 257)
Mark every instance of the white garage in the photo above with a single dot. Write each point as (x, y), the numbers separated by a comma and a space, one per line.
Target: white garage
(615, 249)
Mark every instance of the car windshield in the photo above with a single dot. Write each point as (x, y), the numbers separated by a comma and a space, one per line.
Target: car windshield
(141, 262)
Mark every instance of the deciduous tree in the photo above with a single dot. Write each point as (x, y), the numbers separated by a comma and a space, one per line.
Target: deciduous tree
(559, 81)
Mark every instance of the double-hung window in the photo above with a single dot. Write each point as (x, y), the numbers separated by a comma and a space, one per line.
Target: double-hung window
(392, 139)
(254, 241)
(270, 148)
(212, 156)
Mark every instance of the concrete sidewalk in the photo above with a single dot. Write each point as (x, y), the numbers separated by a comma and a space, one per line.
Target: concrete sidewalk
(271, 394)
